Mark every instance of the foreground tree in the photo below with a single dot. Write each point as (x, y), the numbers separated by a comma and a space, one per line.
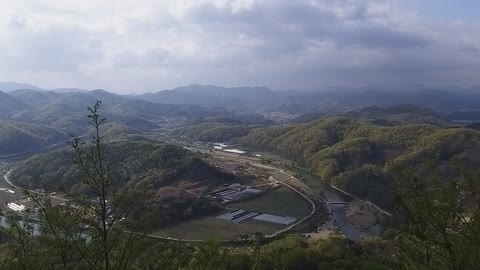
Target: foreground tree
(102, 228)
(442, 220)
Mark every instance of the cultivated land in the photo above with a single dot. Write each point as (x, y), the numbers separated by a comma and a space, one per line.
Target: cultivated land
(281, 201)
(278, 200)
(210, 227)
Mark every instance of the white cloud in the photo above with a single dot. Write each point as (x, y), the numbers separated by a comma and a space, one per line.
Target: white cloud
(130, 45)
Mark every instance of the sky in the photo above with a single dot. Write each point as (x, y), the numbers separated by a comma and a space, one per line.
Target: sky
(132, 46)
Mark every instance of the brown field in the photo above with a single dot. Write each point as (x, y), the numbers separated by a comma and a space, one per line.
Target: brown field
(212, 228)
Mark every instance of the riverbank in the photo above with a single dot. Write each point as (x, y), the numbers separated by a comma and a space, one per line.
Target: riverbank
(361, 216)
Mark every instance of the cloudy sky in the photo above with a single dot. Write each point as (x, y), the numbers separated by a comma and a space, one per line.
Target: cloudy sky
(143, 45)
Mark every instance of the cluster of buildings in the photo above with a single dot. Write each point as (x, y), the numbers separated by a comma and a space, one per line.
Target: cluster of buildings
(239, 215)
(236, 193)
(16, 207)
(223, 147)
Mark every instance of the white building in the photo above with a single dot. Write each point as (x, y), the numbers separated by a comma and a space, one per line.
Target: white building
(16, 207)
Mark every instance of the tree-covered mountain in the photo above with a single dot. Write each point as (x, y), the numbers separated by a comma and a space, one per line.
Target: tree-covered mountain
(296, 103)
(445, 101)
(12, 86)
(16, 137)
(393, 115)
(209, 95)
(359, 156)
(64, 111)
(230, 108)
(9, 104)
(174, 176)
(48, 107)
(399, 114)
(167, 169)
(211, 132)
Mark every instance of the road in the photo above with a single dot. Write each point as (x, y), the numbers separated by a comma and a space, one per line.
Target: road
(20, 190)
(314, 208)
(333, 194)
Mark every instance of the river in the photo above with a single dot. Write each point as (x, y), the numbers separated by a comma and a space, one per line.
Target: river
(338, 210)
(6, 222)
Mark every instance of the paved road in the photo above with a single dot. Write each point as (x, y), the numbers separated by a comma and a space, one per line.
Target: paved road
(20, 190)
(314, 207)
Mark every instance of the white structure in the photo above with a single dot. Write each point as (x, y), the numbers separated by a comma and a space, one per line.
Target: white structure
(235, 151)
(16, 207)
(275, 219)
(222, 145)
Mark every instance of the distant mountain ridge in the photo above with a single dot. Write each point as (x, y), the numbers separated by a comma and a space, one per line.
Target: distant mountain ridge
(65, 112)
(12, 86)
(209, 95)
(18, 137)
(263, 100)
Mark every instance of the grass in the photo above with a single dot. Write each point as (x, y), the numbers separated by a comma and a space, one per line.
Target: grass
(212, 228)
(282, 201)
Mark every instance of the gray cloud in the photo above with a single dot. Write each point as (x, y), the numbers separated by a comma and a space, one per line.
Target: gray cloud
(279, 43)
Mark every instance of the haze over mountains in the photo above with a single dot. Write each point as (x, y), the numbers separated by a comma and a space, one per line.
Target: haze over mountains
(28, 115)
(326, 132)
(287, 101)
(240, 134)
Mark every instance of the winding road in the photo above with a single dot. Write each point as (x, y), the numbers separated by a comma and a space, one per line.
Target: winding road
(314, 207)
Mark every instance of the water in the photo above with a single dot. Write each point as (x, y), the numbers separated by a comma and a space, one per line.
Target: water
(338, 210)
(6, 223)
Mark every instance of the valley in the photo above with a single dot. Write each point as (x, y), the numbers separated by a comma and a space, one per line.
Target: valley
(288, 187)
(240, 135)
(280, 195)
(229, 175)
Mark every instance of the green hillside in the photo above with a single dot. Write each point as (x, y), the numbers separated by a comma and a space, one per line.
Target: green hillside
(175, 176)
(148, 164)
(360, 157)
(212, 132)
(16, 137)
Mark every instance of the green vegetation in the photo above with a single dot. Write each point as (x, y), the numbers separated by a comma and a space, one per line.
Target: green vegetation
(360, 157)
(175, 176)
(119, 192)
(399, 114)
(18, 137)
(212, 132)
(289, 253)
(134, 163)
(441, 218)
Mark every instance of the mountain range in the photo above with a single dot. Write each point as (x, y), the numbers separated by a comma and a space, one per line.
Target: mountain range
(294, 102)
(63, 110)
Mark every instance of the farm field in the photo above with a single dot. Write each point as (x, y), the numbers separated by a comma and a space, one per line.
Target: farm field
(217, 229)
(281, 201)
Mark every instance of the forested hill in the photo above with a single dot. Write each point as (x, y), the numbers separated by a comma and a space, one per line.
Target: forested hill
(168, 169)
(18, 137)
(387, 116)
(360, 156)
